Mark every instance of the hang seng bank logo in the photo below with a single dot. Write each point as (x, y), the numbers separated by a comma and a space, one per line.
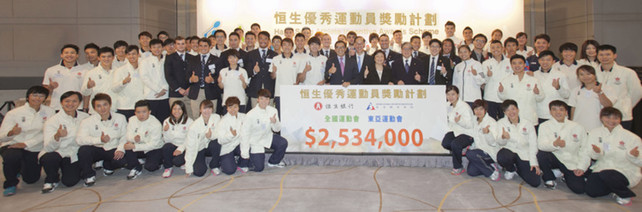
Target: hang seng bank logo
(318, 106)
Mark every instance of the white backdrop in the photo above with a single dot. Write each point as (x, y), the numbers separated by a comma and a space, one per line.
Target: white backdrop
(408, 15)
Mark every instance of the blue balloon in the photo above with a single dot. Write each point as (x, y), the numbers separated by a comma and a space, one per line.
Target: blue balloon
(217, 23)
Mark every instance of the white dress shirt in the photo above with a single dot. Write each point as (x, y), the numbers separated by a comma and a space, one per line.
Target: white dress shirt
(67, 79)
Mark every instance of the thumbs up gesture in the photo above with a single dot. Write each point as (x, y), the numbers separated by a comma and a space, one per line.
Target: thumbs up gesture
(62, 132)
(366, 72)
(193, 78)
(209, 78)
(273, 74)
(597, 149)
(505, 134)
(443, 70)
(536, 90)
(556, 83)
(104, 138)
(635, 152)
(137, 138)
(417, 76)
(91, 84)
(473, 71)
(501, 87)
(597, 89)
(256, 68)
(166, 127)
(273, 118)
(490, 73)
(233, 131)
(458, 118)
(559, 142)
(307, 67)
(127, 79)
(486, 129)
(15, 130)
(209, 133)
(53, 84)
(332, 69)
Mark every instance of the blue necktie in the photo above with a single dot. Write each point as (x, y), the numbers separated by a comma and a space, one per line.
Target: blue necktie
(359, 63)
(203, 71)
(431, 79)
(407, 66)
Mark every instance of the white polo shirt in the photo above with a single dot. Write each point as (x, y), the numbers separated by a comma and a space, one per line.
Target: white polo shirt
(286, 70)
(152, 70)
(570, 72)
(317, 71)
(626, 84)
(551, 94)
(587, 105)
(523, 93)
(67, 79)
(30, 121)
(232, 84)
(65, 146)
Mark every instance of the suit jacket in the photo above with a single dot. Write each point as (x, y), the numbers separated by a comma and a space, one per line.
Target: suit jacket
(416, 66)
(368, 61)
(374, 79)
(332, 53)
(350, 74)
(479, 59)
(176, 73)
(262, 79)
(439, 78)
(392, 56)
(212, 91)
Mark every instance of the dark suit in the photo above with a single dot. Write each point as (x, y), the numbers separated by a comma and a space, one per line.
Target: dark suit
(374, 79)
(176, 73)
(439, 78)
(416, 66)
(479, 59)
(261, 79)
(392, 56)
(212, 91)
(332, 53)
(368, 61)
(350, 74)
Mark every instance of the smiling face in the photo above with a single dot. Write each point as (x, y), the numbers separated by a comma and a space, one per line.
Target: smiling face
(464, 53)
(132, 57)
(517, 65)
(541, 45)
(69, 55)
(512, 112)
(203, 47)
(102, 107)
(233, 109)
(611, 121)
(452, 96)
(586, 77)
(177, 112)
(36, 99)
(263, 102)
(559, 113)
(379, 58)
(70, 104)
(546, 62)
(106, 58)
(591, 50)
(480, 112)
(606, 56)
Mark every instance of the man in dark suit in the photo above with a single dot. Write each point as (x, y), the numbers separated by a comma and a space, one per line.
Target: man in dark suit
(439, 70)
(407, 70)
(391, 56)
(203, 74)
(235, 42)
(326, 43)
(363, 60)
(341, 70)
(258, 63)
(415, 42)
(177, 75)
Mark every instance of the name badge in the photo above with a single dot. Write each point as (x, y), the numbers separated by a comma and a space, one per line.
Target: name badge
(268, 60)
(212, 66)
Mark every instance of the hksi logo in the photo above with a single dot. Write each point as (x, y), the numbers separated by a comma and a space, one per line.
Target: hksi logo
(318, 106)
(370, 107)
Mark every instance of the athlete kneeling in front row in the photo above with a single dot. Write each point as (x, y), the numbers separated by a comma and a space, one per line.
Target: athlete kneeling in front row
(175, 133)
(200, 140)
(228, 133)
(143, 140)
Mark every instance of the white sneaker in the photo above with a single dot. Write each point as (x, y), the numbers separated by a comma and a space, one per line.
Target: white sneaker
(279, 165)
(550, 184)
(243, 169)
(509, 175)
(557, 173)
(98, 165)
(216, 171)
(49, 187)
(133, 174)
(90, 181)
(183, 167)
(107, 172)
(495, 176)
(168, 173)
(141, 161)
(623, 201)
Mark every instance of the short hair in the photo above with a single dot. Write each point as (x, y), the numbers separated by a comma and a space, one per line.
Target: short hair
(352, 33)
(587, 68)
(299, 35)
(71, 93)
(463, 47)
(188, 39)
(545, 53)
(511, 40)
(238, 29)
(495, 41)
(145, 33)
(220, 31)
(91, 46)
(105, 49)
(557, 103)
(405, 44)
(426, 34)
(379, 52)
(480, 35)
(250, 33)
(314, 40)
(306, 28)
(155, 41)
(264, 93)
(360, 37)
(100, 97)
(276, 37)
(497, 30)
(194, 37)
(468, 28)
(72, 46)
(264, 33)
(255, 24)
(288, 28)
(206, 104)
(120, 43)
(233, 52)
(585, 45)
(452, 88)
(37, 89)
(184, 116)
(520, 34)
(209, 43)
(568, 46)
(507, 103)
(132, 48)
(162, 33)
(232, 100)
(610, 111)
(235, 34)
(414, 37)
(450, 23)
(383, 35)
(287, 40)
(434, 40)
(177, 38)
(396, 31)
(480, 103)
(607, 47)
(142, 103)
(543, 36)
(339, 42)
(373, 36)
(517, 57)
(168, 41)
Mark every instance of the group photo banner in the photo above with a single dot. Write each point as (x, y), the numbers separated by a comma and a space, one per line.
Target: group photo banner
(364, 118)
(335, 17)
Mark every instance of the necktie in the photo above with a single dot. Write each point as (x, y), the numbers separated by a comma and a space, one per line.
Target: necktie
(359, 62)
(431, 79)
(181, 55)
(414, 54)
(263, 54)
(203, 71)
(407, 66)
(343, 65)
(327, 53)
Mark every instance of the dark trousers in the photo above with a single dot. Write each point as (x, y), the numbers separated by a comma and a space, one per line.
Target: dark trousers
(200, 167)
(152, 159)
(19, 161)
(88, 155)
(214, 150)
(128, 113)
(608, 181)
(52, 162)
(229, 164)
(277, 104)
(539, 123)
(479, 163)
(160, 108)
(169, 159)
(548, 161)
(628, 125)
(512, 163)
(456, 145)
(495, 110)
(279, 145)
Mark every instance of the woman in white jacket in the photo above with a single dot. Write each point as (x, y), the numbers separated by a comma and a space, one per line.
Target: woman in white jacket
(460, 124)
(518, 142)
(228, 133)
(174, 135)
(468, 76)
(482, 153)
(616, 152)
(200, 139)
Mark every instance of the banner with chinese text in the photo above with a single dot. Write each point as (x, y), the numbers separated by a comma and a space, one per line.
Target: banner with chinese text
(364, 119)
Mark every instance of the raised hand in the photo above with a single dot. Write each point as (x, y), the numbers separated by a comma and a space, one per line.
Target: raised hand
(62, 132)
(333, 69)
(556, 83)
(559, 142)
(366, 72)
(273, 118)
(257, 69)
(233, 131)
(209, 133)
(15, 130)
(595, 148)
(193, 78)
(417, 76)
(473, 71)
(127, 79)
(307, 67)
(490, 73)
(443, 70)
(91, 84)
(536, 90)
(209, 79)
(486, 129)
(53, 84)
(635, 152)
(501, 87)
(166, 127)
(104, 138)
(597, 89)
(137, 138)
(505, 134)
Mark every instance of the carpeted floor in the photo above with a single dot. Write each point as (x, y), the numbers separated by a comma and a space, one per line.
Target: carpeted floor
(308, 188)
